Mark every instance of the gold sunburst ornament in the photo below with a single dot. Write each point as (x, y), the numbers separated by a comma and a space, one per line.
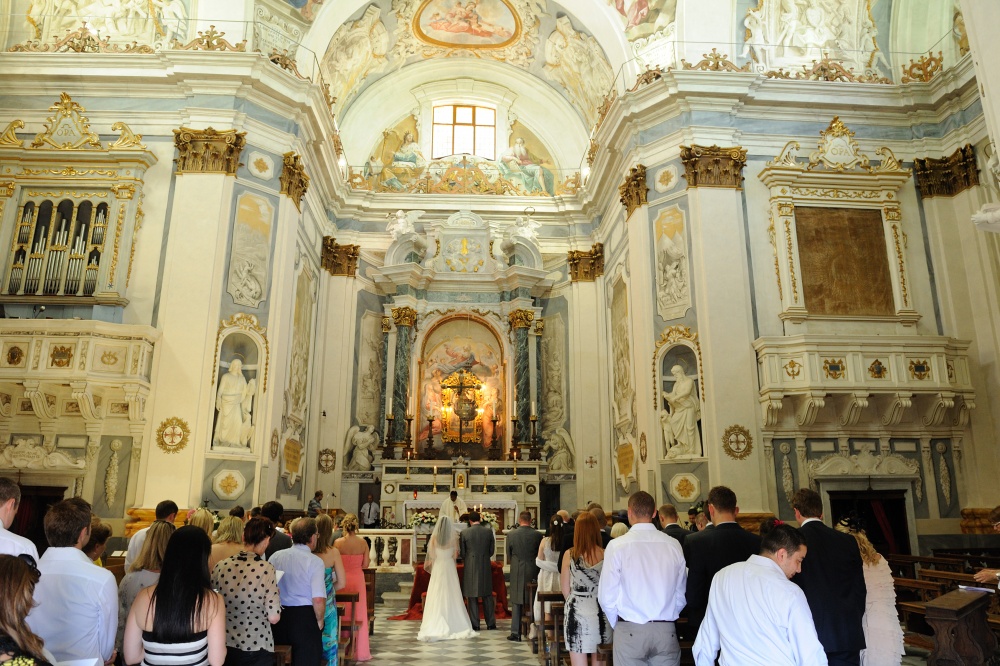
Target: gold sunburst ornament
(737, 442)
(173, 434)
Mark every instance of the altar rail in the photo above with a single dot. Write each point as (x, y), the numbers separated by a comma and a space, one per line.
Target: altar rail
(409, 548)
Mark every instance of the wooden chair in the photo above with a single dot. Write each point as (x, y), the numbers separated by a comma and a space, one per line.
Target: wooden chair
(370, 592)
(282, 655)
(347, 643)
(528, 614)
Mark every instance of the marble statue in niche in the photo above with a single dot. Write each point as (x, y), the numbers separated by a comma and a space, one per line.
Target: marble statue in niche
(563, 454)
(673, 288)
(680, 404)
(234, 408)
(576, 62)
(356, 52)
(150, 22)
(371, 361)
(359, 448)
(248, 262)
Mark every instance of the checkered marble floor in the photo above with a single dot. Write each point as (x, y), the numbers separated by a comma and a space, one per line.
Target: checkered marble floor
(395, 642)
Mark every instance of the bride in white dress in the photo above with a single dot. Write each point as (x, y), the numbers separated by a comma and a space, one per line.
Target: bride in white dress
(445, 615)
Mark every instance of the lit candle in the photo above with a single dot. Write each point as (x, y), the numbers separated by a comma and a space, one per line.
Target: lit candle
(486, 471)
(435, 469)
(515, 454)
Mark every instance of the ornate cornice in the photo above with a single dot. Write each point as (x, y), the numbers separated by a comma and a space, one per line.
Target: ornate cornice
(828, 69)
(293, 179)
(586, 266)
(404, 316)
(520, 318)
(340, 259)
(209, 150)
(209, 41)
(633, 191)
(714, 166)
(947, 176)
(715, 62)
(81, 40)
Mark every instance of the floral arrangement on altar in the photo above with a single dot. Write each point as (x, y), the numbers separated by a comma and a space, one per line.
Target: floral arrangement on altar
(422, 518)
(491, 520)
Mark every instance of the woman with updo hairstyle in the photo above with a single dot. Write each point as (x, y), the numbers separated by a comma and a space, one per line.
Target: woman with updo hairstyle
(203, 519)
(228, 540)
(354, 552)
(249, 586)
(18, 646)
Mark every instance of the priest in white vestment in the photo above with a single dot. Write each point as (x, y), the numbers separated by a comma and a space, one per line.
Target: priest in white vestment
(454, 507)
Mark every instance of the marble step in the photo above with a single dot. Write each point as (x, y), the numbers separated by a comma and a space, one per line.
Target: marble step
(396, 599)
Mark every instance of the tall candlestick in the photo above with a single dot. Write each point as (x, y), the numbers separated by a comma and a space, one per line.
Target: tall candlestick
(486, 473)
(532, 407)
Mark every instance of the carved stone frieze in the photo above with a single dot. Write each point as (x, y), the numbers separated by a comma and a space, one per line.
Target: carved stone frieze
(633, 191)
(586, 266)
(293, 179)
(340, 259)
(714, 166)
(947, 176)
(209, 150)
(404, 316)
(520, 318)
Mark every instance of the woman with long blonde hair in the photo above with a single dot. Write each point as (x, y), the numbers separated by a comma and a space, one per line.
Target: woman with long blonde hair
(18, 577)
(144, 572)
(228, 540)
(204, 520)
(585, 625)
(883, 634)
(354, 552)
(335, 579)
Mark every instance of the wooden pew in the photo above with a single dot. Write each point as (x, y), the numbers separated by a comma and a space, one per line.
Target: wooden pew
(961, 633)
(542, 625)
(906, 566)
(557, 652)
(349, 627)
(370, 591)
(528, 615)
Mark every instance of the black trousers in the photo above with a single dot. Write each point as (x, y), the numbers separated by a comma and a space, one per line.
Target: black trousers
(298, 628)
(850, 658)
(489, 612)
(236, 657)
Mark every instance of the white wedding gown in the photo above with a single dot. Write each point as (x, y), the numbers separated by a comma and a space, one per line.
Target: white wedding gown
(445, 615)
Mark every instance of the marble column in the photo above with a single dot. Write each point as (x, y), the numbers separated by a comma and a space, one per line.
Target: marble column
(520, 321)
(405, 319)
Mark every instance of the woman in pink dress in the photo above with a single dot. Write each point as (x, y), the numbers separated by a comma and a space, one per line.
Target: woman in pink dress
(354, 551)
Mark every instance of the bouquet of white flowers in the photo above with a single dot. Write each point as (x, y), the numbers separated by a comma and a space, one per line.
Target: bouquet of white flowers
(490, 519)
(422, 518)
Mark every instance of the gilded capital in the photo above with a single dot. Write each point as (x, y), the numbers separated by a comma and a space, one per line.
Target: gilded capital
(633, 191)
(539, 326)
(404, 316)
(339, 259)
(209, 150)
(386, 326)
(293, 179)
(7, 188)
(586, 266)
(714, 166)
(520, 318)
(947, 176)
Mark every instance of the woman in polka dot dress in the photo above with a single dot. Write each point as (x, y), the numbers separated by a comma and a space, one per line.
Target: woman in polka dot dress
(253, 604)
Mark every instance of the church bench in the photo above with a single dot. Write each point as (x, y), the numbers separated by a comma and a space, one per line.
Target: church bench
(557, 652)
(542, 625)
(953, 580)
(282, 655)
(916, 589)
(605, 653)
(347, 644)
(905, 566)
(370, 591)
(528, 614)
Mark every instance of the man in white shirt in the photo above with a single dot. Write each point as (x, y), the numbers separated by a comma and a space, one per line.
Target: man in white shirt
(10, 501)
(76, 603)
(756, 615)
(642, 589)
(370, 513)
(165, 511)
(303, 594)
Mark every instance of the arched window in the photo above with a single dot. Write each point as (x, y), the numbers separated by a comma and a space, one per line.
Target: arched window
(461, 129)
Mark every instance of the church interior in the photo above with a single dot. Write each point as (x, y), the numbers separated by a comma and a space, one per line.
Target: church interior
(541, 252)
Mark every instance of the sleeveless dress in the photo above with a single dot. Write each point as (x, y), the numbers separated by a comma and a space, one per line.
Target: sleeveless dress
(356, 583)
(548, 579)
(330, 628)
(18, 657)
(883, 634)
(193, 652)
(585, 624)
(445, 616)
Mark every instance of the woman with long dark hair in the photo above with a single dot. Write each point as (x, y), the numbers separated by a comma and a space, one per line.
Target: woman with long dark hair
(548, 567)
(180, 621)
(18, 577)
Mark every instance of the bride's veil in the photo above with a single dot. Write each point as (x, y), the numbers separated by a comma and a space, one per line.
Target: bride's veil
(443, 537)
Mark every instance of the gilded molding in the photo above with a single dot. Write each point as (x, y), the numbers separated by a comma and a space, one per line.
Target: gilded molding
(678, 334)
(714, 62)
(645, 78)
(605, 107)
(737, 442)
(520, 318)
(245, 322)
(901, 264)
(67, 111)
(774, 246)
(633, 191)
(119, 225)
(293, 179)
(404, 316)
(81, 40)
(947, 176)
(209, 150)
(828, 69)
(586, 266)
(173, 434)
(285, 62)
(128, 138)
(539, 326)
(339, 259)
(592, 152)
(209, 41)
(386, 326)
(714, 166)
(791, 259)
(9, 137)
(922, 70)
(6, 189)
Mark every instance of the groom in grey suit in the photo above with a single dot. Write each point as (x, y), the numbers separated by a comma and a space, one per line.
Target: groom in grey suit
(477, 544)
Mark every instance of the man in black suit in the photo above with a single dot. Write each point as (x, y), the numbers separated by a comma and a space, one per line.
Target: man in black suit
(668, 519)
(709, 551)
(833, 581)
(602, 520)
(280, 541)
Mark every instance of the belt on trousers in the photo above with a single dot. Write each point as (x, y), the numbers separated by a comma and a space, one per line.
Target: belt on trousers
(651, 621)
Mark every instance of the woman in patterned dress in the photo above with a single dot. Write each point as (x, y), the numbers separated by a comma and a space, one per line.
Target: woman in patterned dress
(585, 624)
(253, 603)
(335, 579)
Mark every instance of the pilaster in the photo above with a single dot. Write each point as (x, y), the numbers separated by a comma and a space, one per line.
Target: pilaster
(405, 319)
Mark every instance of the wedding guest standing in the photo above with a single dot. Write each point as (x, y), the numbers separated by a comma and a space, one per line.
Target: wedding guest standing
(315, 504)
(273, 511)
(833, 579)
(10, 502)
(18, 645)
(547, 561)
(585, 624)
(228, 540)
(669, 523)
(165, 511)
(303, 595)
(522, 547)
(76, 603)
(370, 513)
(248, 585)
(335, 578)
(477, 544)
(100, 532)
(145, 571)
(354, 552)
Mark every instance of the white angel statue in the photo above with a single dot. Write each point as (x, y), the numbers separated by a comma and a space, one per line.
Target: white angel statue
(402, 223)
(359, 447)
